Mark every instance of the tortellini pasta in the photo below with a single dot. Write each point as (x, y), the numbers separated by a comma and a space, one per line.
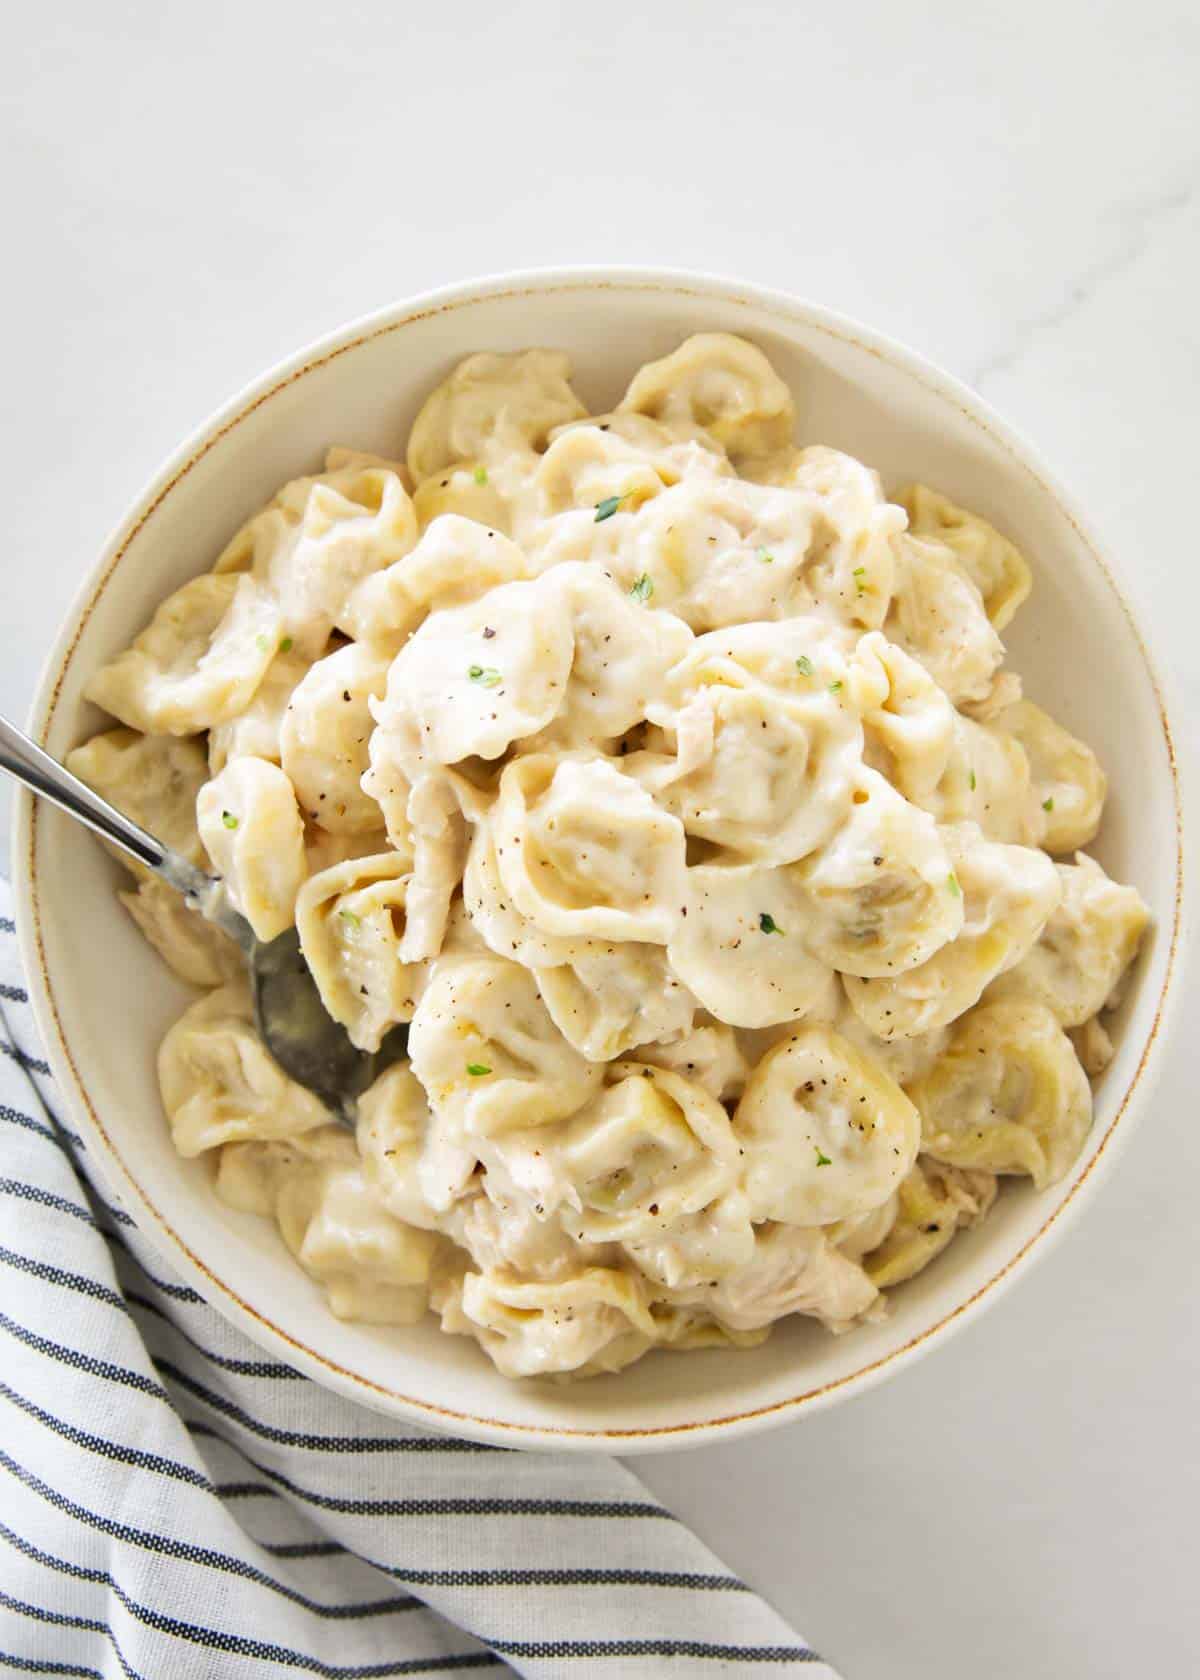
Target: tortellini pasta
(350, 919)
(485, 1049)
(321, 537)
(219, 1085)
(993, 564)
(256, 732)
(610, 998)
(596, 1321)
(934, 1202)
(474, 679)
(937, 615)
(722, 384)
(741, 947)
(585, 853)
(1068, 783)
(1085, 947)
(655, 782)
(460, 490)
(198, 662)
(456, 561)
(584, 466)
(323, 738)
(1007, 1094)
(873, 900)
(909, 722)
(193, 947)
(648, 1151)
(155, 779)
(767, 743)
(254, 834)
(372, 1266)
(506, 404)
(827, 1133)
(1006, 894)
(709, 1055)
(792, 1270)
(623, 650)
(717, 551)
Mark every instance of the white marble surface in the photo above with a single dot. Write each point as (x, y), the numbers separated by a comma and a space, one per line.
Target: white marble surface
(1012, 189)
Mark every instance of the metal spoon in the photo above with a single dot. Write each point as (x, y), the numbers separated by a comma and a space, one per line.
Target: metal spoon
(309, 1045)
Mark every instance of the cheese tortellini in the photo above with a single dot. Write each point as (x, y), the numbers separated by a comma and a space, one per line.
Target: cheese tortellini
(1006, 895)
(1007, 1094)
(323, 738)
(253, 832)
(654, 778)
(199, 661)
(828, 1134)
(351, 923)
(219, 1085)
(993, 564)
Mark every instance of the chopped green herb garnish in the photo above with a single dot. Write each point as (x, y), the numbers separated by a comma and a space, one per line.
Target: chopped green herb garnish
(481, 475)
(768, 924)
(767, 558)
(972, 781)
(263, 643)
(804, 665)
(228, 818)
(477, 1070)
(858, 574)
(1047, 804)
(285, 645)
(952, 883)
(609, 506)
(485, 675)
(823, 1160)
(350, 918)
(834, 686)
(643, 588)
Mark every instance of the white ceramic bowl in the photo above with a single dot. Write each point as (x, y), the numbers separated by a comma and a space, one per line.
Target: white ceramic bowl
(103, 999)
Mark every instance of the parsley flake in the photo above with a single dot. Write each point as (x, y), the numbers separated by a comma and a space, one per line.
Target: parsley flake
(350, 918)
(228, 818)
(858, 574)
(768, 924)
(952, 883)
(643, 588)
(285, 645)
(609, 506)
(477, 1070)
(834, 687)
(804, 665)
(1047, 804)
(485, 675)
(767, 558)
(972, 781)
(823, 1160)
(480, 475)
(263, 643)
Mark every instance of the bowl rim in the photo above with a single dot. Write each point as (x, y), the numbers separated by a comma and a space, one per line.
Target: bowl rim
(122, 1180)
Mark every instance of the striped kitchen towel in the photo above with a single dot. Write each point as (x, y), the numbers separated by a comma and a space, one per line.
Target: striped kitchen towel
(174, 1504)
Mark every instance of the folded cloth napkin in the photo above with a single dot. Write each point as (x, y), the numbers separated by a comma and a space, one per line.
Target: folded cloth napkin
(173, 1503)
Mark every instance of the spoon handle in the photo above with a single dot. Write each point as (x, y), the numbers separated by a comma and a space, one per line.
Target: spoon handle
(43, 775)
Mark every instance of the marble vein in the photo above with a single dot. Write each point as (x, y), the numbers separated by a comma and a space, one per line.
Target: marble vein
(1138, 224)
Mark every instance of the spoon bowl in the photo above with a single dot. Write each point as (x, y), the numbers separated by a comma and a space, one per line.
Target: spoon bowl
(309, 1045)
